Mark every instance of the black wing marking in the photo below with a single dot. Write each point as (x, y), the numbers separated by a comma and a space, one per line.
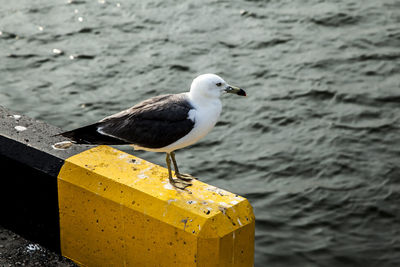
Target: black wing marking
(153, 123)
(90, 135)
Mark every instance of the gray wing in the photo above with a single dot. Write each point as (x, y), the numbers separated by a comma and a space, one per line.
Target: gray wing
(153, 123)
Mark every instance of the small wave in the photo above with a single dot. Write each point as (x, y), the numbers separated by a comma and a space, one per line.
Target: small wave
(82, 56)
(267, 43)
(365, 99)
(227, 44)
(260, 126)
(76, 2)
(179, 67)
(376, 56)
(370, 128)
(283, 120)
(388, 99)
(312, 94)
(336, 20)
(24, 56)
(222, 123)
(8, 35)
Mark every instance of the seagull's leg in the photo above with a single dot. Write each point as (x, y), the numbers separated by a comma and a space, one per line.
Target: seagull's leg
(181, 176)
(178, 184)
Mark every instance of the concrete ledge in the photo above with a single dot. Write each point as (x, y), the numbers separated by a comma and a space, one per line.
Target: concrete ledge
(107, 208)
(28, 184)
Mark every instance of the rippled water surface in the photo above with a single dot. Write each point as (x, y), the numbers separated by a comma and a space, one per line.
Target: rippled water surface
(316, 144)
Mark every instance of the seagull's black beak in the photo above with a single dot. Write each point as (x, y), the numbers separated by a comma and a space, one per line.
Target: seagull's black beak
(235, 90)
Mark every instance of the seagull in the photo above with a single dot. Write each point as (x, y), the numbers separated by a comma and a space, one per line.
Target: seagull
(163, 123)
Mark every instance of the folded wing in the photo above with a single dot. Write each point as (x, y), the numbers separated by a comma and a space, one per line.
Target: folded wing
(153, 123)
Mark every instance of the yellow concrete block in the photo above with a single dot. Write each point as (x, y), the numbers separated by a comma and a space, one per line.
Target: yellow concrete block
(120, 210)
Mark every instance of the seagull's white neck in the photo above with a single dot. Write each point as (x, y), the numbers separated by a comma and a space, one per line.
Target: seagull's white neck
(205, 114)
(199, 100)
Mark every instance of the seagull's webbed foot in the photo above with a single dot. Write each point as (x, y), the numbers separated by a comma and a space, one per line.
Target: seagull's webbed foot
(180, 176)
(180, 184)
(184, 177)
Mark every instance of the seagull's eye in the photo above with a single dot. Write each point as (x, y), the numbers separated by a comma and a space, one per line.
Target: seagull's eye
(219, 84)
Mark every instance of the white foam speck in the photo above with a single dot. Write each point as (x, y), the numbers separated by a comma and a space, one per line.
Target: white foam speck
(234, 202)
(17, 117)
(57, 51)
(240, 223)
(20, 128)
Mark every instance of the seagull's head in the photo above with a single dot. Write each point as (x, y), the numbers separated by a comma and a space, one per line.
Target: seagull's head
(213, 86)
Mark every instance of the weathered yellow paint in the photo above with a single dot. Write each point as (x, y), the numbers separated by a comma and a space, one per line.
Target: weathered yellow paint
(119, 210)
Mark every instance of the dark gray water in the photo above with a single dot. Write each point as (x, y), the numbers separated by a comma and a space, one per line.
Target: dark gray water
(316, 144)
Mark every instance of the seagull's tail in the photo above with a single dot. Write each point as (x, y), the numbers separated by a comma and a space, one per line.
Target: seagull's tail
(91, 136)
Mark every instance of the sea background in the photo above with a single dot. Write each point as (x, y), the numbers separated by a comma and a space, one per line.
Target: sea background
(315, 146)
